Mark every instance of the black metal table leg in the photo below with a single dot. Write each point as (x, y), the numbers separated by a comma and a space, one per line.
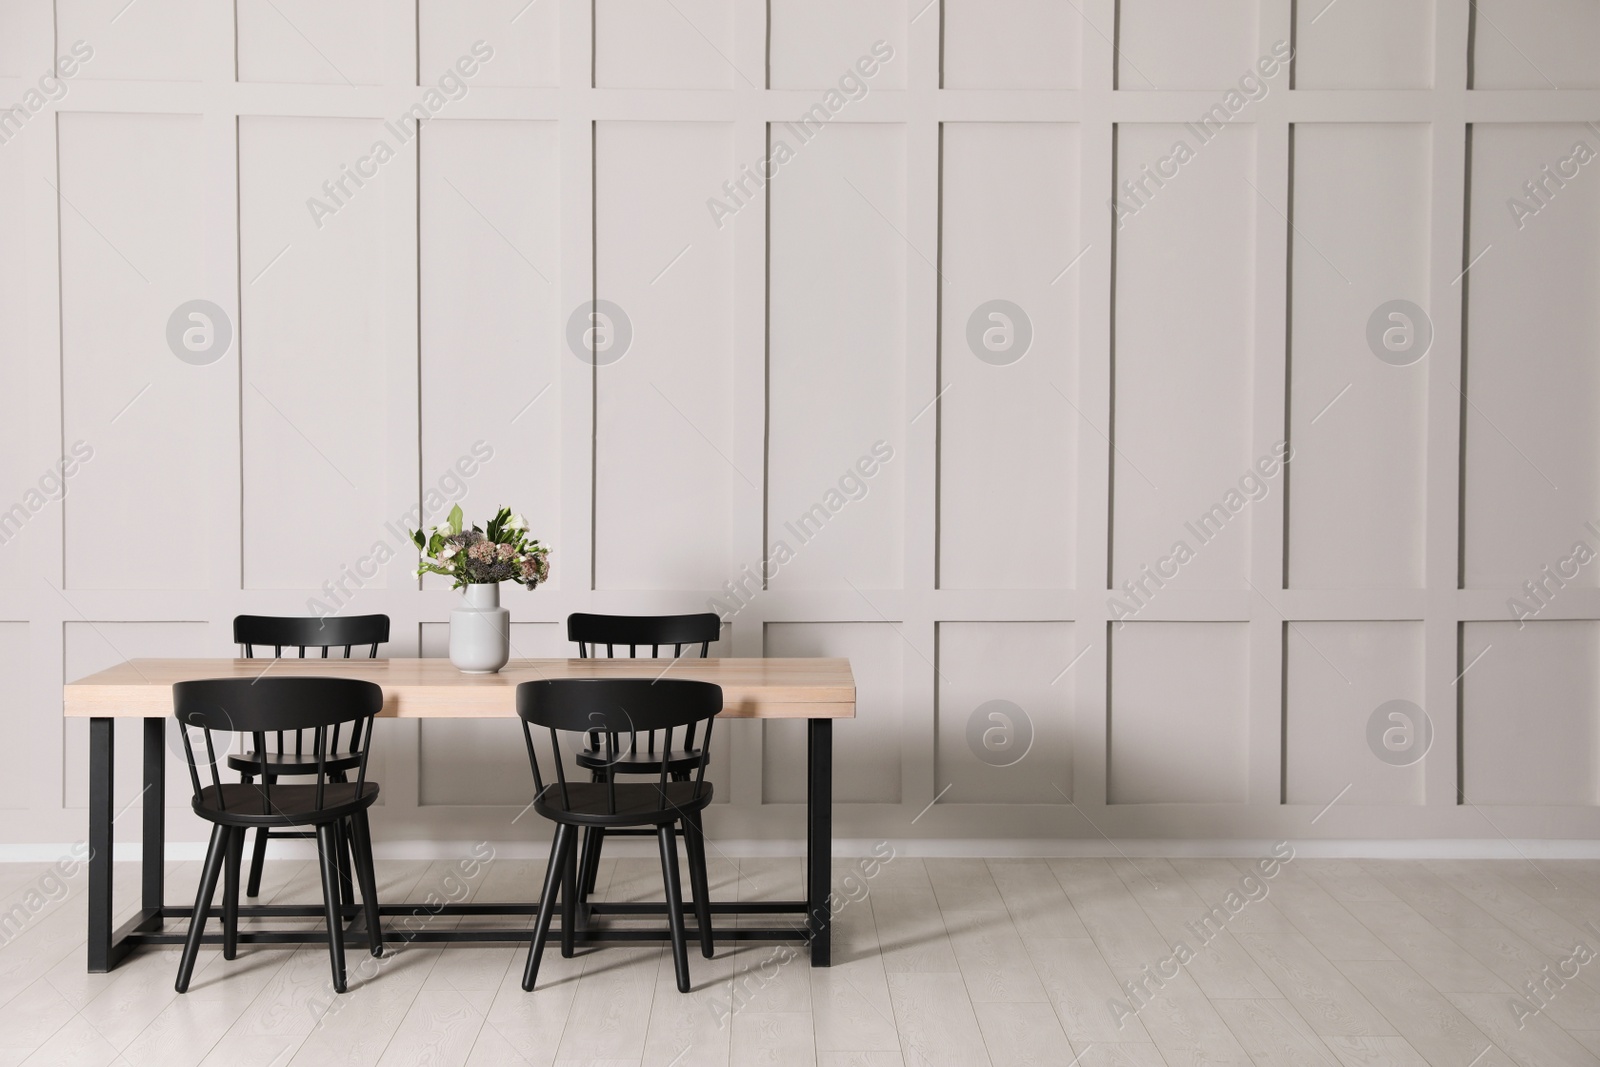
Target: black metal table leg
(103, 955)
(154, 854)
(819, 838)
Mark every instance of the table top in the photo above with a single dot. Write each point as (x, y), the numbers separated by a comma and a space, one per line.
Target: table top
(433, 689)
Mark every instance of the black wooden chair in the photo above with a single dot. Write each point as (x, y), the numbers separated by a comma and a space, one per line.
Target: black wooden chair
(321, 707)
(636, 631)
(618, 710)
(292, 761)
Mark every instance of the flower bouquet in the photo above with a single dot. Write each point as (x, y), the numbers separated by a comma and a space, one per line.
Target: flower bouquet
(501, 553)
(477, 561)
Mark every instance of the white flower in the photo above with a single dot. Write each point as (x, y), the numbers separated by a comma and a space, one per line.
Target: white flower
(447, 552)
(517, 523)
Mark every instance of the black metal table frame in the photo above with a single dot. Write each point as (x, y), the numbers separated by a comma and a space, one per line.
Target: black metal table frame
(109, 946)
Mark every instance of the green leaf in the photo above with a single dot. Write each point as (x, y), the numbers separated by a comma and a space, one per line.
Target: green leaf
(454, 519)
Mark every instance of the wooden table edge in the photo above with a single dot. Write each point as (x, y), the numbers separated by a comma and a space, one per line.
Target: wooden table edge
(463, 696)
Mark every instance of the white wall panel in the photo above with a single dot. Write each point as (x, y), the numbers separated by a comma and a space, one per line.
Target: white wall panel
(687, 44)
(25, 47)
(20, 711)
(321, 349)
(837, 352)
(1185, 44)
(1536, 44)
(1533, 465)
(524, 36)
(1338, 675)
(667, 481)
(1005, 720)
(1184, 337)
(1007, 426)
(1364, 44)
(1358, 423)
(358, 42)
(152, 40)
(1179, 725)
(1011, 44)
(490, 258)
(815, 42)
(132, 252)
(26, 447)
(867, 749)
(1530, 713)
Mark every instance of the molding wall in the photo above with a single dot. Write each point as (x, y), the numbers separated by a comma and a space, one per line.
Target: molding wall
(399, 338)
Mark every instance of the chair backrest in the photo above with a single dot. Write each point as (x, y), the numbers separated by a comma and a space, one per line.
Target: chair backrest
(614, 708)
(322, 707)
(303, 632)
(636, 631)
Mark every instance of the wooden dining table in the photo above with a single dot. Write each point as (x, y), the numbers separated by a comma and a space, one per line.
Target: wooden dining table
(817, 690)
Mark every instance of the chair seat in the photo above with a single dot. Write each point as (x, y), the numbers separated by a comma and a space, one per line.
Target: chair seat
(290, 765)
(679, 761)
(588, 803)
(292, 805)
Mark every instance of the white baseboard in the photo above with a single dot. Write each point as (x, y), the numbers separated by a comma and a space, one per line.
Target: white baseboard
(1498, 849)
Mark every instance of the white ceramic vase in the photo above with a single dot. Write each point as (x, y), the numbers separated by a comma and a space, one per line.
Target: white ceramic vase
(480, 631)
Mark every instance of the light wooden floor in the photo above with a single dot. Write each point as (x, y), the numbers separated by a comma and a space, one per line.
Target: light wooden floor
(960, 962)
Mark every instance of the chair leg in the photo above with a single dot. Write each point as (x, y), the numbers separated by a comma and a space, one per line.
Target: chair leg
(258, 858)
(230, 893)
(346, 836)
(569, 903)
(328, 861)
(590, 861)
(583, 861)
(202, 904)
(591, 872)
(585, 858)
(368, 877)
(341, 838)
(694, 839)
(669, 875)
(547, 902)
